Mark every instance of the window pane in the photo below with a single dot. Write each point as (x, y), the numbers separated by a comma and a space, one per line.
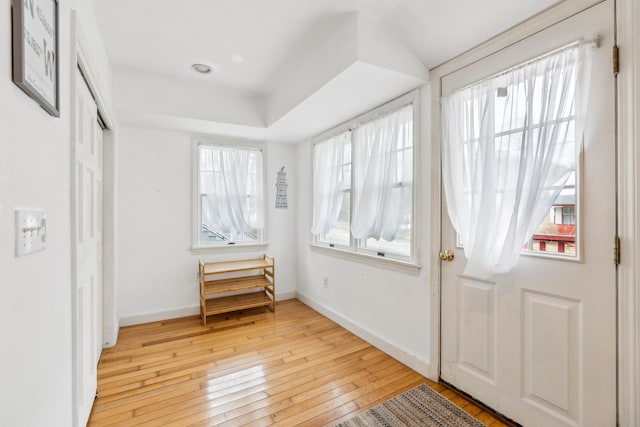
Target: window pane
(384, 184)
(332, 190)
(340, 235)
(514, 121)
(230, 183)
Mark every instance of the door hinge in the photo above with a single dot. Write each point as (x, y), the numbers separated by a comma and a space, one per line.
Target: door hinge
(616, 60)
(616, 250)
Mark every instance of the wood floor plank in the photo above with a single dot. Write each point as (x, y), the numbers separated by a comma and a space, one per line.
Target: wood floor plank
(249, 368)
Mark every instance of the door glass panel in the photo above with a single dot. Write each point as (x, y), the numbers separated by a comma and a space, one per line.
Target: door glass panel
(557, 233)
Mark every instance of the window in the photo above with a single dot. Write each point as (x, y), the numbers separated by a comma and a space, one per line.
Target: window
(363, 184)
(332, 190)
(514, 102)
(510, 145)
(568, 214)
(230, 195)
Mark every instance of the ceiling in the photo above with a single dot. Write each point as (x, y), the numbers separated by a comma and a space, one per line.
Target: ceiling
(165, 37)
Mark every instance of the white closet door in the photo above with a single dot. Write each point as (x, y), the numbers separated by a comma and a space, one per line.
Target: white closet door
(86, 175)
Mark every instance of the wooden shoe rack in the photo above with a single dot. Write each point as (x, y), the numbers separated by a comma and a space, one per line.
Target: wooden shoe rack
(223, 290)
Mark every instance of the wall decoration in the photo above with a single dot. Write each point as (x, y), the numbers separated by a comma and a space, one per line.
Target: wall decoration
(281, 190)
(35, 51)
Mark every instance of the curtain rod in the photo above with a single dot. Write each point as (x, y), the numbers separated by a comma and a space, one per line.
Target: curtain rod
(593, 43)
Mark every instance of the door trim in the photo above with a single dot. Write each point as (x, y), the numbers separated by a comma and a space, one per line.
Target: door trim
(81, 56)
(628, 21)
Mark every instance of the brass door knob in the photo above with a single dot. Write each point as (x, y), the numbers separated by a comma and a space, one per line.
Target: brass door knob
(447, 255)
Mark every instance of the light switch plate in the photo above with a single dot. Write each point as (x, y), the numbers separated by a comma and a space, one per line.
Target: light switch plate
(31, 231)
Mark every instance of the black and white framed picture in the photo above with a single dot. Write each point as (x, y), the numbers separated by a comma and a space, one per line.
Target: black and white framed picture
(35, 51)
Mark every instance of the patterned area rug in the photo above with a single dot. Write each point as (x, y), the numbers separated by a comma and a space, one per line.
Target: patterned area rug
(420, 407)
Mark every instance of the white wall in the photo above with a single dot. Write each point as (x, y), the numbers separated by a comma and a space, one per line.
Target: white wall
(35, 303)
(158, 271)
(388, 308)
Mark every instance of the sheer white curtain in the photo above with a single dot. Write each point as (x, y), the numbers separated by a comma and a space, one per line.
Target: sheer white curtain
(232, 180)
(332, 176)
(383, 168)
(509, 145)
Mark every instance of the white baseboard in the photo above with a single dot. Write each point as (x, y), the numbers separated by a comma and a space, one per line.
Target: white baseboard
(285, 296)
(157, 316)
(421, 366)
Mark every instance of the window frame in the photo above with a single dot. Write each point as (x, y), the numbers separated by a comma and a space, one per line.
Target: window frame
(198, 141)
(353, 251)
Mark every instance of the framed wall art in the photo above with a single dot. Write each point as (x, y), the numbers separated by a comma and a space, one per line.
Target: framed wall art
(35, 51)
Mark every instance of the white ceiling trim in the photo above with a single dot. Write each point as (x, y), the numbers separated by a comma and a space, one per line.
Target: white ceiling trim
(358, 67)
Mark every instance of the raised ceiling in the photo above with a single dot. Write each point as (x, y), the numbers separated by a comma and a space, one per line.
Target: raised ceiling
(160, 39)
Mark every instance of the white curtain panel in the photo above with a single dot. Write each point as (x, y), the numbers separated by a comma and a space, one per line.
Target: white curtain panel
(232, 179)
(383, 175)
(509, 145)
(331, 177)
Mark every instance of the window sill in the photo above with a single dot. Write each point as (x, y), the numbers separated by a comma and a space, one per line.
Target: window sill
(552, 256)
(544, 255)
(376, 261)
(238, 247)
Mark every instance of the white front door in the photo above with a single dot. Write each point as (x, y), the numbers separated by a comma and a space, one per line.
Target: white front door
(539, 344)
(86, 196)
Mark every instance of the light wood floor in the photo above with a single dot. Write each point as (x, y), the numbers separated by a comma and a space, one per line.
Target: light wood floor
(252, 368)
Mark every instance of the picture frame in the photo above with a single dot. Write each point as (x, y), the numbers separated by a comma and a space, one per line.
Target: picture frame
(36, 56)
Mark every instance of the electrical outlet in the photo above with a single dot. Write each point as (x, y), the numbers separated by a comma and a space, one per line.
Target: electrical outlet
(325, 281)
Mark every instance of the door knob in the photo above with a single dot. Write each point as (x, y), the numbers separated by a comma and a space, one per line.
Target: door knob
(447, 255)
